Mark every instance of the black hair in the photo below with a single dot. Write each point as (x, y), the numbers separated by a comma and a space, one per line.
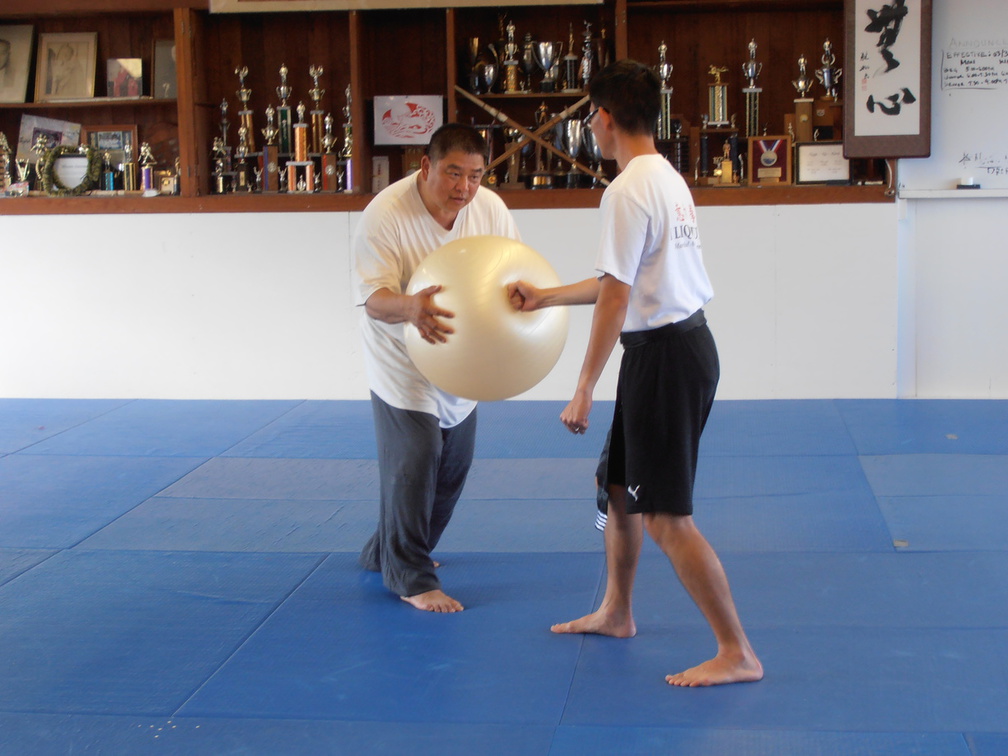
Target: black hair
(452, 137)
(631, 93)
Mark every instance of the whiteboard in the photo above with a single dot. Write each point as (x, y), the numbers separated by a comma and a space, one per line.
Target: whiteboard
(969, 91)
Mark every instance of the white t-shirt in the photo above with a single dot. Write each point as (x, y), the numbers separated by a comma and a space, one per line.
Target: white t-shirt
(395, 234)
(650, 241)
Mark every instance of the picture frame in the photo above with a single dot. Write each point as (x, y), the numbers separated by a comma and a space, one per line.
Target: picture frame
(821, 163)
(57, 133)
(770, 159)
(887, 81)
(124, 77)
(164, 83)
(407, 119)
(112, 139)
(15, 61)
(65, 66)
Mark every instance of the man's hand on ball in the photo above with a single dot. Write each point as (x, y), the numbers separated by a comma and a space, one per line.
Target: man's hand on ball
(425, 316)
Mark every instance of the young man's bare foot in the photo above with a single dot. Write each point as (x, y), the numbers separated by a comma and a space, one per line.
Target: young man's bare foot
(433, 601)
(599, 623)
(718, 671)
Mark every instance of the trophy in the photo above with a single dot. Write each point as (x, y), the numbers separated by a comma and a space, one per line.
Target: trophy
(570, 65)
(5, 163)
(803, 103)
(664, 71)
(586, 66)
(528, 60)
(510, 61)
(147, 163)
(512, 177)
(108, 173)
(541, 178)
(23, 166)
(220, 173)
(317, 114)
(129, 169)
(346, 154)
(573, 136)
(828, 111)
(717, 99)
(483, 67)
(245, 115)
(241, 172)
(269, 163)
(750, 70)
(547, 57)
(591, 146)
(828, 75)
(300, 170)
(330, 162)
(284, 112)
(603, 52)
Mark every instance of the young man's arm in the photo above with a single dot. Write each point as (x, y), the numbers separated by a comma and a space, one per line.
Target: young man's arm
(526, 297)
(607, 322)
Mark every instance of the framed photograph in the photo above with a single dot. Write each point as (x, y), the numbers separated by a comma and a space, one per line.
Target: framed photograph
(821, 163)
(407, 119)
(164, 84)
(124, 77)
(65, 66)
(15, 62)
(56, 134)
(887, 79)
(770, 160)
(114, 140)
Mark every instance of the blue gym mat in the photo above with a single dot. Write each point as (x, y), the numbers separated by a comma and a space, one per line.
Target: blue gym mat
(181, 578)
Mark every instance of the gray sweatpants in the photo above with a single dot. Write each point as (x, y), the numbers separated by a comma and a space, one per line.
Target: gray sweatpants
(422, 469)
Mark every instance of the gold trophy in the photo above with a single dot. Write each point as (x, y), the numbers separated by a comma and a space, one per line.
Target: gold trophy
(750, 70)
(664, 71)
(6, 178)
(317, 114)
(570, 65)
(717, 99)
(245, 115)
(330, 161)
(284, 112)
(803, 103)
(300, 170)
(346, 154)
(269, 164)
(510, 61)
(147, 163)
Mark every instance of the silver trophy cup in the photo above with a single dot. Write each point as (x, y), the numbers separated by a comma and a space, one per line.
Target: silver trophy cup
(547, 57)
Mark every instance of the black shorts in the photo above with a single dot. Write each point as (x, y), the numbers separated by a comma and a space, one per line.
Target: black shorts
(667, 380)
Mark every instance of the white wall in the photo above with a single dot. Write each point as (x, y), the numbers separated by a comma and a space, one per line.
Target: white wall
(957, 275)
(258, 305)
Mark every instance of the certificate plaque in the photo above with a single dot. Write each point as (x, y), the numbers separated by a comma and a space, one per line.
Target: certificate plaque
(770, 160)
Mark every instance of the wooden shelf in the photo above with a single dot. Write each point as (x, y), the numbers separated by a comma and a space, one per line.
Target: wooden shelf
(352, 46)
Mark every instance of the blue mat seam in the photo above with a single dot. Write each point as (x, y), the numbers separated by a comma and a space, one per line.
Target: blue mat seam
(319, 562)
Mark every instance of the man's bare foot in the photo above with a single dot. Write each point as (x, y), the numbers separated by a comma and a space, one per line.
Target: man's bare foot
(718, 671)
(434, 601)
(599, 623)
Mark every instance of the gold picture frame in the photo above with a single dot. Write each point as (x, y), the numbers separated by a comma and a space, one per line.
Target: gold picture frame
(114, 139)
(65, 66)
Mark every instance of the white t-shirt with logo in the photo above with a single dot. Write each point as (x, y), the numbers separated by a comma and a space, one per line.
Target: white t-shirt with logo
(395, 234)
(650, 241)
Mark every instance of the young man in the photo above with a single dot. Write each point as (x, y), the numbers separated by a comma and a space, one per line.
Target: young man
(425, 436)
(649, 295)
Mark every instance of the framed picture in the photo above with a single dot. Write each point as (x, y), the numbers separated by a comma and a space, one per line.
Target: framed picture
(56, 134)
(407, 119)
(115, 140)
(887, 79)
(124, 77)
(164, 84)
(15, 62)
(821, 163)
(65, 66)
(770, 160)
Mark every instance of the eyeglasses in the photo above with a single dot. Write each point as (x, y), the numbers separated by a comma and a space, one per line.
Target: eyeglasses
(587, 119)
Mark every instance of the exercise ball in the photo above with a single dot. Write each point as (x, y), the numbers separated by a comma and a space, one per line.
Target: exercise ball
(496, 351)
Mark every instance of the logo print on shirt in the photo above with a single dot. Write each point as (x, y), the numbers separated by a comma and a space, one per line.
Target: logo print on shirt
(633, 491)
